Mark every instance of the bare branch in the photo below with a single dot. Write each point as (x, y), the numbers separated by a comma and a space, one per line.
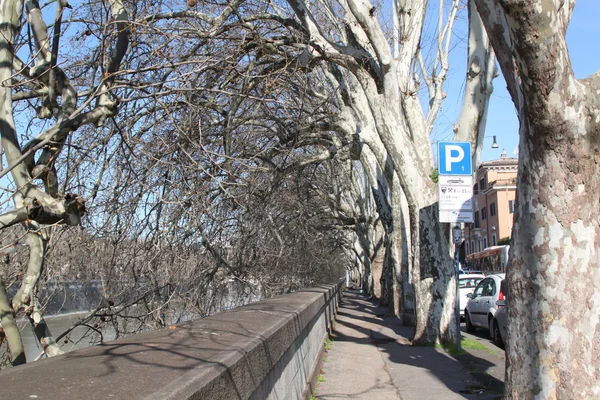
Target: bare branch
(495, 23)
(482, 70)
(10, 329)
(364, 12)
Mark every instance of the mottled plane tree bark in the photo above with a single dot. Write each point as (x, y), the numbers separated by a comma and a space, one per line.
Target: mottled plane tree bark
(481, 71)
(554, 284)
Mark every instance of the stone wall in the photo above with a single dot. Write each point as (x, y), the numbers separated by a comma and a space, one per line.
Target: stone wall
(266, 350)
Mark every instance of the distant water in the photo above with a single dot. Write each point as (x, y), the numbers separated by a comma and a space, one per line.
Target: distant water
(69, 299)
(57, 325)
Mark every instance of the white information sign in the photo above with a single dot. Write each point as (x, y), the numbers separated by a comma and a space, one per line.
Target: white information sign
(462, 216)
(456, 193)
(456, 198)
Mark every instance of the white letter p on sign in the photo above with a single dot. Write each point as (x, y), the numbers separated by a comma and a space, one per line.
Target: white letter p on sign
(457, 158)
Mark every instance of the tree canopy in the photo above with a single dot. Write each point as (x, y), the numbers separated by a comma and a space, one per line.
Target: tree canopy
(176, 155)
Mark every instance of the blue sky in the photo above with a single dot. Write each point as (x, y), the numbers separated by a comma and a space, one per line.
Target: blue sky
(583, 39)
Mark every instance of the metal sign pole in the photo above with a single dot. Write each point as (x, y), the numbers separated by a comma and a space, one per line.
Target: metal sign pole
(458, 347)
(457, 236)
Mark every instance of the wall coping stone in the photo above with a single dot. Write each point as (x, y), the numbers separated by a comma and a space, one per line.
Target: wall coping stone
(223, 356)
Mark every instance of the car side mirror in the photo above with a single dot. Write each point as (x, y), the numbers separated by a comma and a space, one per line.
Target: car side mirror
(501, 303)
(470, 295)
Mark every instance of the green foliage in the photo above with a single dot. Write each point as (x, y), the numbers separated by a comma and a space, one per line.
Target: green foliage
(320, 378)
(328, 343)
(465, 343)
(503, 241)
(476, 369)
(435, 174)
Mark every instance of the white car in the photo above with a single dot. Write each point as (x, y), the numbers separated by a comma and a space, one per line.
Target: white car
(499, 324)
(482, 306)
(466, 286)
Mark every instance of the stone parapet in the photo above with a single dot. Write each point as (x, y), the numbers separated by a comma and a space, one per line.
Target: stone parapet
(269, 349)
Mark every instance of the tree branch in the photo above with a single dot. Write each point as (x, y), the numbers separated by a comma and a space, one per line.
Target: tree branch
(481, 62)
(496, 25)
(10, 329)
(13, 217)
(364, 12)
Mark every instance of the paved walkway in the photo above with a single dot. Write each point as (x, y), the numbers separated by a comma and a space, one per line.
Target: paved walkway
(371, 358)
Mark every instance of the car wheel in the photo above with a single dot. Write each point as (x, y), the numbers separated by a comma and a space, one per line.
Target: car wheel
(497, 336)
(470, 327)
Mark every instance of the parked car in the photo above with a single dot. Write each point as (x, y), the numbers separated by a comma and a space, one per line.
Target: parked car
(481, 307)
(499, 324)
(466, 286)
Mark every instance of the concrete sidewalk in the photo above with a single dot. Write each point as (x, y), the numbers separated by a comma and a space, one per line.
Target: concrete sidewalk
(371, 358)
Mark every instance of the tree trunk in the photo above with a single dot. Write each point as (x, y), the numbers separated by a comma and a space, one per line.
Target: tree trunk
(387, 275)
(434, 279)
(406, 276)
(554, 282)
(384, 194)
(399, 242)
(554, 312)
(554, 333)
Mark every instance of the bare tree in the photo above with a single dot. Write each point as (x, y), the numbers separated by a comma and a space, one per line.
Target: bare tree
(217, 152)
(46, 80)
(238, 130)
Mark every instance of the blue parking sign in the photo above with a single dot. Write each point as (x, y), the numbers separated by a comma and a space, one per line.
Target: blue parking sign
(454, 158)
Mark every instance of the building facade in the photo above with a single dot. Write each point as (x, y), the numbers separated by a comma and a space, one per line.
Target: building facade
(494, 193)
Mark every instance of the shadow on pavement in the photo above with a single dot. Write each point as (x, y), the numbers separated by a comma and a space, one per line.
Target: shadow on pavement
(465, 375)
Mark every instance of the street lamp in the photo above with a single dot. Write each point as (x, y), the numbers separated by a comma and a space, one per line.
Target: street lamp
(495, 144)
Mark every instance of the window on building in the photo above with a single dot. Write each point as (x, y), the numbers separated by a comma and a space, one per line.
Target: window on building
(493, 239)
(484, 242)
(482, 184)
(483, 214)
(467, 248)
(472, 246)
(476, 219)
(492, 209)
(474, 189)
(511, 206)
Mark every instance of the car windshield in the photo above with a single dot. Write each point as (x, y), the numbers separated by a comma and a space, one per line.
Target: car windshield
(468, 282)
